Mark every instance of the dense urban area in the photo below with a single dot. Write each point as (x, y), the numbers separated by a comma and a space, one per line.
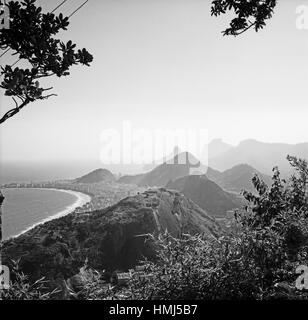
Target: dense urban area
(103, 194)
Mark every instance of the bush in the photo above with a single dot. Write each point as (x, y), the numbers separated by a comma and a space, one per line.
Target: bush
(252, 261)
(21, 289)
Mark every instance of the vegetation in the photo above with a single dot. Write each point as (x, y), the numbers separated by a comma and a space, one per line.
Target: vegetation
(248, 14)
(257, 259)
(31, 37)
(21, 289)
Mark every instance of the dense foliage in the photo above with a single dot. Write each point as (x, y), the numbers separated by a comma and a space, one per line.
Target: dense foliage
(23, 289)
(248, 14)
(256, 259)
(31, 37)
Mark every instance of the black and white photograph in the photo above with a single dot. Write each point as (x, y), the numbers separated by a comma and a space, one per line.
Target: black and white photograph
(153, 150)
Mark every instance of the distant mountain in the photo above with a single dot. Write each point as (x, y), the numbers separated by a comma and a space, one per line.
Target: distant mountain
(99, 175)
(170, 156)
(237, 178)
(205, 193)
(260, 155)
(111, 239)
(181, 165)
(131, 179)
(213, 174)
(217, 147)
(214, 148)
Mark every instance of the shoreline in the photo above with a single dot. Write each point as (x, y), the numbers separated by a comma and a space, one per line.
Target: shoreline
(81, 200)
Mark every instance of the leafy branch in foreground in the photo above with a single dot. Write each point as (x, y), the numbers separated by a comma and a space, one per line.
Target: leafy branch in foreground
(249, 14)
(31, 38)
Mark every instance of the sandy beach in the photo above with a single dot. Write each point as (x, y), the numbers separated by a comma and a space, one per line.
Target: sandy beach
(81, 200)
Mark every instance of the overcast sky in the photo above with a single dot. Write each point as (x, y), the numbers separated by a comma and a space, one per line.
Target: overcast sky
(164, 63)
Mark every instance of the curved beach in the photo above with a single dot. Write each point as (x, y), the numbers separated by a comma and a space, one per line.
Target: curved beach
(81, 200)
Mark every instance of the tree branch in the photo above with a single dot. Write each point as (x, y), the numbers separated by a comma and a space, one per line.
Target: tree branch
(44, 76)
(15, 102)
(12, 112)
(47, 89)
(48, 96)
(244, 30)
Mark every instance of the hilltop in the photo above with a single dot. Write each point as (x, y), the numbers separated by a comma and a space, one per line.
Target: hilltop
(131, 179)
(179, 166)
(217, 147)
(237, 178)
(205, 193)
(98, 175)
(112, 238)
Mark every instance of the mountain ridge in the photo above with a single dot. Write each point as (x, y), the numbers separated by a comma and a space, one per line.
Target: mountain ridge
(237, 178)
(179, 166)
(95, 176)
(261, 155)
(205, 193)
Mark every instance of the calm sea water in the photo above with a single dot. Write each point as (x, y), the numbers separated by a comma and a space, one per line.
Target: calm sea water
(23, 208)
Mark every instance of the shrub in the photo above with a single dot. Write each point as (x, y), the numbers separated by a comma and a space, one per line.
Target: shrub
(21, 289)
(250, 262)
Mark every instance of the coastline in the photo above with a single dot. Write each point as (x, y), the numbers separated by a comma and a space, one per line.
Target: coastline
(81, 200)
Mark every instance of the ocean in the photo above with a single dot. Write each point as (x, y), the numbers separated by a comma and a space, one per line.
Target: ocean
(25, 208)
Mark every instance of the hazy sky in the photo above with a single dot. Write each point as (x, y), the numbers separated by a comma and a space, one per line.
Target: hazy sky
(164, 63)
